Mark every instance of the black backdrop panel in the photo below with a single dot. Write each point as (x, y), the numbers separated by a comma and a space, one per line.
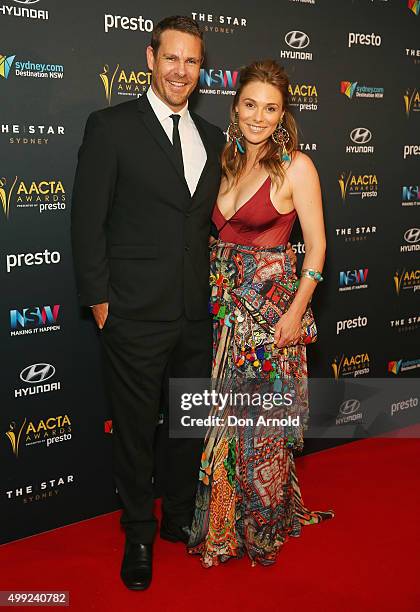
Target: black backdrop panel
(355, 93)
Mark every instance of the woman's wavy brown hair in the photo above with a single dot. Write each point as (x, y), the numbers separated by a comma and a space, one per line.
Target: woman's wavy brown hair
(266, 71)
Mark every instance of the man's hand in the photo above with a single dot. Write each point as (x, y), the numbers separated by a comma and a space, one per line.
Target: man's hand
(100, 312)
(292, 256)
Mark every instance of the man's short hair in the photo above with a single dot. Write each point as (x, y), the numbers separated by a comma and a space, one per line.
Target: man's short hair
(179, 23)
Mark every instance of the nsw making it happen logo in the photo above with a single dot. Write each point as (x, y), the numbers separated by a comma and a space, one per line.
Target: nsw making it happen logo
(353, 279)
(218, 81)
(410, 195)
(34, 319)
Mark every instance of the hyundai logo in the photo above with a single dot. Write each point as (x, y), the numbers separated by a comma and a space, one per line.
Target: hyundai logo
(361, 135)
(37, 372)
(412, 235)
(349, 406)
(26, 1)
(297, 39)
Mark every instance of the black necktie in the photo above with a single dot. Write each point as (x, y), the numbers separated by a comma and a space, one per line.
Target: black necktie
(176, 142)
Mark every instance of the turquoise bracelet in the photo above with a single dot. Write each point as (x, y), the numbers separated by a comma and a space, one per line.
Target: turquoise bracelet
(314, 274)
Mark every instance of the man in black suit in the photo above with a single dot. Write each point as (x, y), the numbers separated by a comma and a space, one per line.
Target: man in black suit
(147, 178)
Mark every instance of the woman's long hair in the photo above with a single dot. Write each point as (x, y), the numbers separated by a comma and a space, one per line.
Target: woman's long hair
(270, 157)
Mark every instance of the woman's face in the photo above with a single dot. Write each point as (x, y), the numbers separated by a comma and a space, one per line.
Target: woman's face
(260, 108)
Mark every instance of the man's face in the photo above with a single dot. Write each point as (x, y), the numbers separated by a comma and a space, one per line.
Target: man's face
(175, 68)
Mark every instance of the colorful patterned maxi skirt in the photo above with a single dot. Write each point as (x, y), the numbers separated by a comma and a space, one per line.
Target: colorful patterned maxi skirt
(248, 498)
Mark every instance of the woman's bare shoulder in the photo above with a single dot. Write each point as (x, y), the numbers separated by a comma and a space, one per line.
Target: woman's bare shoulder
(301, 162)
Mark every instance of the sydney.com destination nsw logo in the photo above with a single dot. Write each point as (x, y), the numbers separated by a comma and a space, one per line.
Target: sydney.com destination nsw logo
(11, 65)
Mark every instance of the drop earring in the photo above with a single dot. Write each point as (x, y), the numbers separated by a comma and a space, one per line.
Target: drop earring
(281, 137)
(235, 135)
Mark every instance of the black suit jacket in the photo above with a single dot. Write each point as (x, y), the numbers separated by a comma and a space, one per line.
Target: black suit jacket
(140, 241)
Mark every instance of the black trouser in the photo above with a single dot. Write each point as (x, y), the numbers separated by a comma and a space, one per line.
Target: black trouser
(140, 357)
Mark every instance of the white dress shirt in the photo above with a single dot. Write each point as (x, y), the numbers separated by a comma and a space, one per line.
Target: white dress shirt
(193, 152)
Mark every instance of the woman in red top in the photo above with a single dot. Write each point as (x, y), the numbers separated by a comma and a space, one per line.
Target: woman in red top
(248, 498)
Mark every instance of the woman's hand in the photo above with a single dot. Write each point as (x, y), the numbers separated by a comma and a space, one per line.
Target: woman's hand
(288, 330)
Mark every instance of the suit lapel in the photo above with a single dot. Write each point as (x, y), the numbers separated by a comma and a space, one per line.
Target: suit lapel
(152, 123)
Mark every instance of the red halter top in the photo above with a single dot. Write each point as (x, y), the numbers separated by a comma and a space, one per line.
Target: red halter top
(257, 222)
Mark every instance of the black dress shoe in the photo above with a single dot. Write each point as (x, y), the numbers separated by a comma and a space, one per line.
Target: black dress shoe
(136, 568)
(173, 533)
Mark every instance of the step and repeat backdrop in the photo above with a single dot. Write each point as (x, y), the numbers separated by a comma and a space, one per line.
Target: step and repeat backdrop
(354, 69)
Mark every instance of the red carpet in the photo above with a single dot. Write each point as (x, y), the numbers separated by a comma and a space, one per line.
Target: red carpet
(365, 559)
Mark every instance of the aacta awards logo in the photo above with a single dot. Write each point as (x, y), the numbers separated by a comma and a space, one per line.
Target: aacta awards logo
(362, 185)
(44, 195)
(48, 431)
(407, 279)
(303, 96)
(124, 82)
(353, 365)
(411, 101)
(7, 187)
